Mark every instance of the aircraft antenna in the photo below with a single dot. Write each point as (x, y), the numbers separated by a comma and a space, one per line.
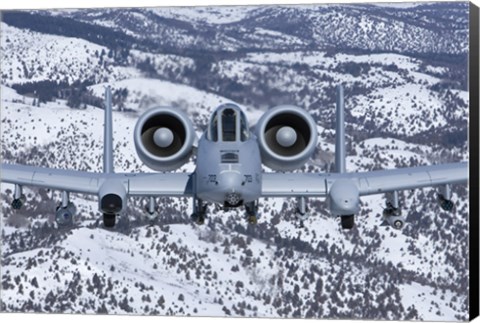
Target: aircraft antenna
(340, 133)
(107, 137)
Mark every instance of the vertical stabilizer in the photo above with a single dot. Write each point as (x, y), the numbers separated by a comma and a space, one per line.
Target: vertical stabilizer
(107, 137)
(340, 133)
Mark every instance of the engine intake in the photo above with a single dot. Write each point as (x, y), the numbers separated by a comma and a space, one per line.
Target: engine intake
(164, 138)
(287, 137)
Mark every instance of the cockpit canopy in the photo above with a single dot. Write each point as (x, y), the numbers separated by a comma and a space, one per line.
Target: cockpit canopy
(228, 123)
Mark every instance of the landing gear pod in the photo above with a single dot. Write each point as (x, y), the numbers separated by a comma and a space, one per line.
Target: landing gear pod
(112, 200)
(344, 198)
(344, 201)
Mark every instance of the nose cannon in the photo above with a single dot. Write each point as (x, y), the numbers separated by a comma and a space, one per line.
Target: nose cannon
(231, 182)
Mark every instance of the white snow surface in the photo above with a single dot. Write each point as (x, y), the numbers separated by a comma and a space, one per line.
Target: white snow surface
(29, 56)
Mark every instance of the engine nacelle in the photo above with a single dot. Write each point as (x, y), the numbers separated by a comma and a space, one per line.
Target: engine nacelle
(112, 197)
(287, 136)
(164, 138)
(65, 215)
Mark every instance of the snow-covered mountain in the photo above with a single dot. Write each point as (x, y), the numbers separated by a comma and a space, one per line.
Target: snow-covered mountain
(405, 77)
(420, 29)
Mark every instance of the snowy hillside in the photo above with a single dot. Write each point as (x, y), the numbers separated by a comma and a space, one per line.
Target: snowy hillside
(30, 56)
(405, 77)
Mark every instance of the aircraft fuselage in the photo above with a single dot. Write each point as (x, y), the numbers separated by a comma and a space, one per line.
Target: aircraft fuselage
(228, 173)
(229, 165)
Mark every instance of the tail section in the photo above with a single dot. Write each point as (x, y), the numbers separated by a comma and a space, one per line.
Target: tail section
(340, 154)
(107, 137)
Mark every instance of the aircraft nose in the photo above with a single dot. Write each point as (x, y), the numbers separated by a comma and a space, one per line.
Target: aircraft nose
(230, 181)
(231, 184)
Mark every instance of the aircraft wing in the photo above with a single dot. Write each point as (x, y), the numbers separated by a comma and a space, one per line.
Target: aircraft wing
(368, 183)
(136, 184)
(382, 181)
(293, 184)
(158, 184)
(58, 179)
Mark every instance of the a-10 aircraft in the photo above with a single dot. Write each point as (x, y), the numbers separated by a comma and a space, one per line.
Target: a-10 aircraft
(229, 160)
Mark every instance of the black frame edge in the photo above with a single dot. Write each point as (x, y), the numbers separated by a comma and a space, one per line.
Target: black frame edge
(474, 162)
